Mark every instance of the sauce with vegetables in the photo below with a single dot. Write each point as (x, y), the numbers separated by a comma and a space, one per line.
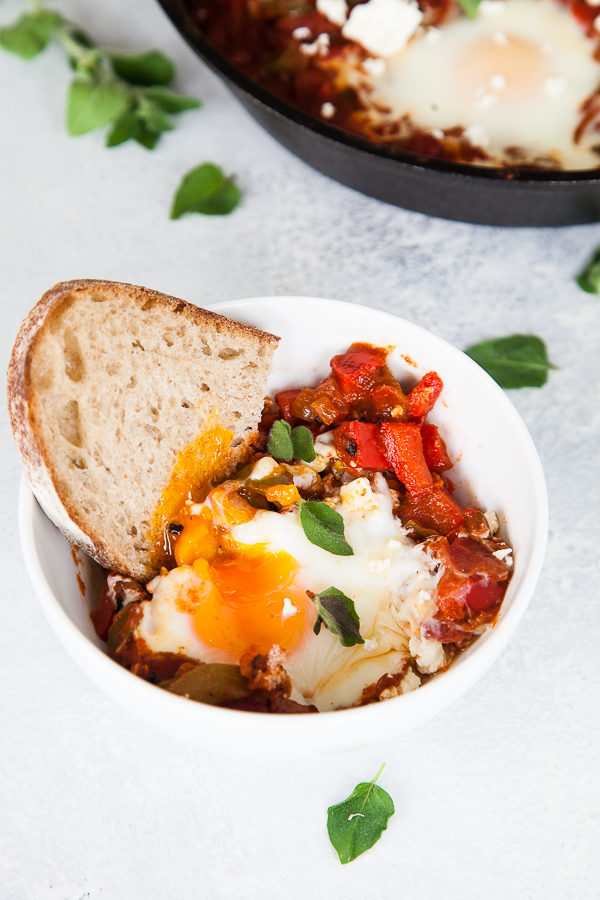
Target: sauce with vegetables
(343, 522)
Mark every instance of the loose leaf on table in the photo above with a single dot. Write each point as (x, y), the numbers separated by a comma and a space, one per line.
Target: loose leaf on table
(206, 190)
(148, 68)
(359, 821)
(280, 441)
(93, 105)
(520, 360)
(338, 614)
(324, 527)
(304, 446)
(209, 683)
(470, 7)
(29, 35)
(589, 279)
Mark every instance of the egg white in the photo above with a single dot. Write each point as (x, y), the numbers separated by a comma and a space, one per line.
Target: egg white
(514, 76)
(391, 580)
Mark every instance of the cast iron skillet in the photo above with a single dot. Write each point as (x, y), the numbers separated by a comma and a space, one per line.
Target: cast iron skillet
(436, 187)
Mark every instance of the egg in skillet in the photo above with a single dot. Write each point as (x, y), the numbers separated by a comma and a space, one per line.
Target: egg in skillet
(515, 77)
(216, 606)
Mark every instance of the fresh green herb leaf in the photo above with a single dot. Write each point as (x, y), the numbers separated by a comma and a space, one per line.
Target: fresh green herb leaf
(171, 102)
(280, 441)
(304, 446)
(470, 7)
(359, 821)
(154, 118)
(148, 68)
(30, 34)
(209, 683)
(93, 105)
(520, 360)
(338, 614)
(206, 190)
(589, 279)
(124, 129)
(324, 527)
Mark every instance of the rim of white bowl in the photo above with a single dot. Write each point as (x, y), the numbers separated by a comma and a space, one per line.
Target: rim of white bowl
(435, 695)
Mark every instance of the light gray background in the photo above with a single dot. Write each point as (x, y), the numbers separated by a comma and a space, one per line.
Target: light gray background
(496, 798)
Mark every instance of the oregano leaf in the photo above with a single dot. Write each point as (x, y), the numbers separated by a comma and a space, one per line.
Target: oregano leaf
(171, 102)
(280, 444)
(469, 7)
(357, 823)
(516, 361)
(30, 33)
(338, 614)
(91, 105)
(303, 444)
(324, 527)
(589, 279)
(206, 190)
(148, 68)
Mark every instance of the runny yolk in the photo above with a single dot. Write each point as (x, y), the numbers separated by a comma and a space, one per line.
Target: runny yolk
(253, 605)
(250, 601)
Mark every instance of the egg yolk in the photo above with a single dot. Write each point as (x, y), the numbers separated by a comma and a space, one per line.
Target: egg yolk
(514, 68)
(253, 605)
(249, 601)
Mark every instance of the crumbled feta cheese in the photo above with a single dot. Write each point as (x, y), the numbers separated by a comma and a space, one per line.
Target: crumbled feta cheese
(432, 35)
(486, 101)
(555, 85)
(383, 27)
(429, 655)
(302, 33)
(334, 10)
(477, 135)
(491, 7)
(492, 519)
(374, 67)
(505, 554)
(319, 47)
(328, 110)
(195, 509)
(303, 476)
(288, 608)
(358, 496)
(265, 467)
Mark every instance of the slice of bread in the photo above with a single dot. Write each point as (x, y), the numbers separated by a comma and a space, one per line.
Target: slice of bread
(119, 397)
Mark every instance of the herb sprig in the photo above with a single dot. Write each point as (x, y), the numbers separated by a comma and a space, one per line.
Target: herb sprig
(129, 92)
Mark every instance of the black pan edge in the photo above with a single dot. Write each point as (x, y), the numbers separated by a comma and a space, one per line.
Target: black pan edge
(477, 194)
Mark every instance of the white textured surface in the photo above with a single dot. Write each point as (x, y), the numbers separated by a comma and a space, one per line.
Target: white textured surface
(497, 798)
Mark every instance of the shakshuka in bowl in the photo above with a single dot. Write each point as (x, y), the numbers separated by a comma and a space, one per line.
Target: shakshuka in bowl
(365, 566)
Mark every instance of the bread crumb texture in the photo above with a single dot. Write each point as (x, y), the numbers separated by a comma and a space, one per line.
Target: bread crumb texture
(115, 392)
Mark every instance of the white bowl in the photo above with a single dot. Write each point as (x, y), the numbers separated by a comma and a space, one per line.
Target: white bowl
(497, 465)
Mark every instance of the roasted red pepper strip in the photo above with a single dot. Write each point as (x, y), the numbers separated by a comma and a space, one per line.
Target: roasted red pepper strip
(285, 400)
(356, 443)
(356, 368)
(403, 448)
(388, 402)
(421, 399)
(433, 508)
(434, 448)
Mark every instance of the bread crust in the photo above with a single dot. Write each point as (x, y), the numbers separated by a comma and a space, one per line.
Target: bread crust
(38, 468)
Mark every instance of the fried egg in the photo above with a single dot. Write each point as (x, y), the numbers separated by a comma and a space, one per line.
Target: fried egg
(215, 609)
(514, 77)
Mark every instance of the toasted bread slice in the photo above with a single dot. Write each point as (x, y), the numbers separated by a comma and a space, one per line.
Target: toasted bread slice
(119, 399)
